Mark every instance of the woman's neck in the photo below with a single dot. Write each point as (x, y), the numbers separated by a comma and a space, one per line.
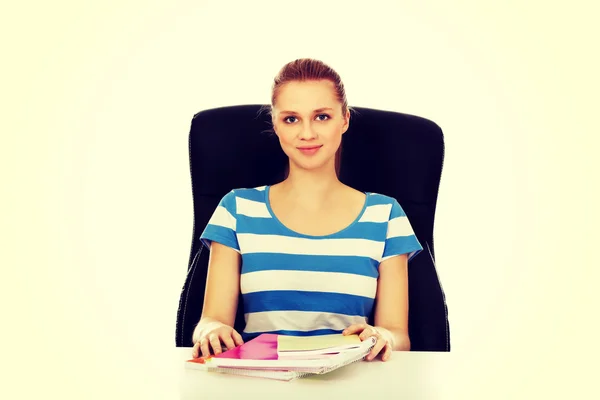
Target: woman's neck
(310, 188)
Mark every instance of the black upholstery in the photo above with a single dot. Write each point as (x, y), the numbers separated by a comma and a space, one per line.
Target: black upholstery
(385, 152)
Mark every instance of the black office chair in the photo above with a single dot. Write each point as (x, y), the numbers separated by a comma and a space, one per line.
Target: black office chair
(385, 152)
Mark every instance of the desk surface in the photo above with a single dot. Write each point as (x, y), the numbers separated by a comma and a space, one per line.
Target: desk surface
(409, 375)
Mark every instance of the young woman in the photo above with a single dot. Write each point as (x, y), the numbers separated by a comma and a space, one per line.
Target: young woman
(310, 255)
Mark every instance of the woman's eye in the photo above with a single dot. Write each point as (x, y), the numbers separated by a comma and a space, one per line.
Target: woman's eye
(320, 117)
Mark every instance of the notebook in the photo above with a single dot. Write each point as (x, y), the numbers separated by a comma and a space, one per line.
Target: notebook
(260, 357)
(306, 347)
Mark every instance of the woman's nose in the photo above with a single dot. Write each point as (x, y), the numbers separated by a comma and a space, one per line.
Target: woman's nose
(307, 132)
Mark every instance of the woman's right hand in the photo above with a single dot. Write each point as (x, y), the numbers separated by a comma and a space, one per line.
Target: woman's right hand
(212, 336)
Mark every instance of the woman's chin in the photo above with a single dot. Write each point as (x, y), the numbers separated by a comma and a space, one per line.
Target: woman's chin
(311, 166)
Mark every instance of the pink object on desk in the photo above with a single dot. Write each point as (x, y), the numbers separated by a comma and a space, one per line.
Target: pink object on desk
(263, 347)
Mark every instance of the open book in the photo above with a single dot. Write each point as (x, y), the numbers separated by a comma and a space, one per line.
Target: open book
(287, 357)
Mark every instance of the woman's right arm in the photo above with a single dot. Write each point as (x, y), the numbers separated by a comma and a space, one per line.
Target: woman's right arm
(220, 302)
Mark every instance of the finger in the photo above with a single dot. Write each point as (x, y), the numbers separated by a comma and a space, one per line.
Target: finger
(237, 338)
(354, 328)
(369, 332)
(376, 349)
(228, 341)
(215, 343)
(196, 350)
(204, 347)
(387, 353)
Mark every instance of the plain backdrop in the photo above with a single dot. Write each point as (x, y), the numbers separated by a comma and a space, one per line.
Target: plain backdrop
(96, 195)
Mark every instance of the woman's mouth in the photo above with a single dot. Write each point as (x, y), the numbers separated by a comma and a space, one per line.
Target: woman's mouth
(309, 150)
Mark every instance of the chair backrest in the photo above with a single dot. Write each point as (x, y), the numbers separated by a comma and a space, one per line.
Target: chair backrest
(385, 152)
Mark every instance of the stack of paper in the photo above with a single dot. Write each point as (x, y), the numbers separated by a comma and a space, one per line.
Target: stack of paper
(287, 357)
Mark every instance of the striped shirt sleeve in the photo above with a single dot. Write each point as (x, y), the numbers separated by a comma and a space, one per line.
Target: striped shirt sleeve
(221, 227)
(400, 238)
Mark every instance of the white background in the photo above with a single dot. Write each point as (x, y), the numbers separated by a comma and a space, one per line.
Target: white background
(97, 206)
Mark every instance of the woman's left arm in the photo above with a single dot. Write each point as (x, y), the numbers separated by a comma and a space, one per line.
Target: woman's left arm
(391, 310)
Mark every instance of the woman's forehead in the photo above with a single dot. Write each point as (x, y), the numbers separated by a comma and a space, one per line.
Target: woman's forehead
(306, 96)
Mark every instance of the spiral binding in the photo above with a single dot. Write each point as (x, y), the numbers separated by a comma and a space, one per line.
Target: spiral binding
(257, 373)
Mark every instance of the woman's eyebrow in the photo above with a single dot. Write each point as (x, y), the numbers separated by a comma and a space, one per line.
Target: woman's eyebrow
(315, 111)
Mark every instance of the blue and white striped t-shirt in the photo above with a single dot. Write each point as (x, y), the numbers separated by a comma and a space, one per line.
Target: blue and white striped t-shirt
(302, 285)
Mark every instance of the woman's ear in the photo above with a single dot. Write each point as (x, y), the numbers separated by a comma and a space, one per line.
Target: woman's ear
(273, 119)
(346, 122)
(273, 124)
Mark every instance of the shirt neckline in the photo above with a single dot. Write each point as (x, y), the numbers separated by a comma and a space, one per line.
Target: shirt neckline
(282, 225)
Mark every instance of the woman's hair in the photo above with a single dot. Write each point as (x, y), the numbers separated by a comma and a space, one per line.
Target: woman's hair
(308, 69)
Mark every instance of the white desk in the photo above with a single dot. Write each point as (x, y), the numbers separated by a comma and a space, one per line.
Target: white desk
(407, 375)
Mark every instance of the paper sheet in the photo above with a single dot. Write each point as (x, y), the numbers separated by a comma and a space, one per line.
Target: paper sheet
(307, 343)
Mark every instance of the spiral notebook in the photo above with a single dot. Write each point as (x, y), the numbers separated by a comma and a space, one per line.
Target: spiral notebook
(265, 356)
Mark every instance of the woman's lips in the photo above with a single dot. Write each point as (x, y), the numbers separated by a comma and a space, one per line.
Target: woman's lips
(309, 150)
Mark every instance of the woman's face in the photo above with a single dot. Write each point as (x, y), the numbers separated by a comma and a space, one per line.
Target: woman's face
(308, 120)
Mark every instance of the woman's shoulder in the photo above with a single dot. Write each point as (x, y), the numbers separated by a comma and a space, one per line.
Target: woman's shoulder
(383, 199)
(255, 194)
(374, 198)
(248, 190)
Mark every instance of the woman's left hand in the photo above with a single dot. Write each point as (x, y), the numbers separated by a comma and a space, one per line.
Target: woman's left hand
(382, 346)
